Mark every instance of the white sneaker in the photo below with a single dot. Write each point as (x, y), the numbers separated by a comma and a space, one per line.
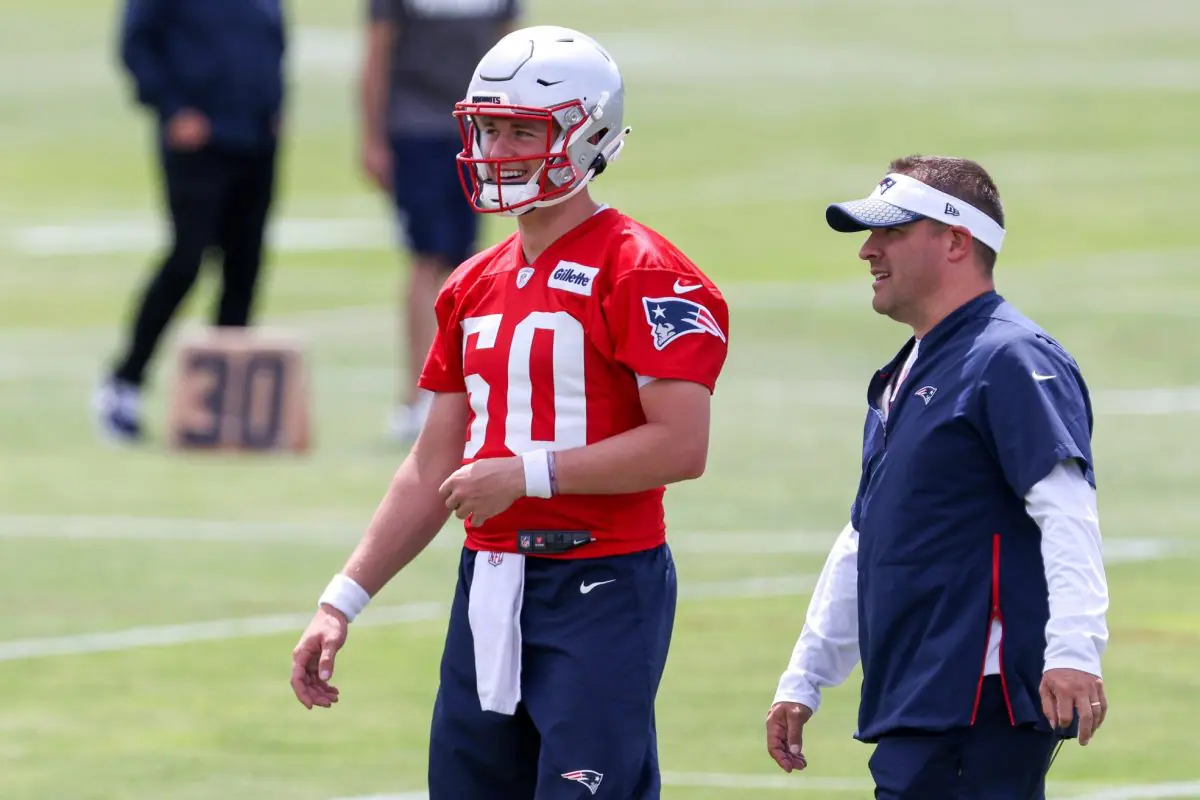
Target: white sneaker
(405, 421)
(118, 409)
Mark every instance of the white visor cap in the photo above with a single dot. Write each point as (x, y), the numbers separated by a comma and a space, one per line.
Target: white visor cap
(901, 199)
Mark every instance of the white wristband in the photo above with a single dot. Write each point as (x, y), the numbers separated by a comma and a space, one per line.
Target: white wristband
(537, 474)
(345, 595)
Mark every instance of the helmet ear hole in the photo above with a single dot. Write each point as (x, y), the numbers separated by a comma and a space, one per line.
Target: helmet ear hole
(599, 162)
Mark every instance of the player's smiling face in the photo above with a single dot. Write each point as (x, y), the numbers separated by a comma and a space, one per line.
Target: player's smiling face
(520, 144)
(904, 268)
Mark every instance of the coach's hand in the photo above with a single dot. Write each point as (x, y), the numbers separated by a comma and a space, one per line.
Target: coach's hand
(785, 734)
(1065, 691)
(312, 660)
(377, 162)
(484, 488)
(188, 130)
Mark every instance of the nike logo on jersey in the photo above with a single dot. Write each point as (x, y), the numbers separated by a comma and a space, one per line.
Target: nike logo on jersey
(1038, 377)
(684, 288)
(586, 587)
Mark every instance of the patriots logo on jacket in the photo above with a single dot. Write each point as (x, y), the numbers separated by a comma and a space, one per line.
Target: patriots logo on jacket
(926, 393)
(588, 777)
(672, 317)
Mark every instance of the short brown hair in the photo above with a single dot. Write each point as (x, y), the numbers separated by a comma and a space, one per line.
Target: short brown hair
(961, 178)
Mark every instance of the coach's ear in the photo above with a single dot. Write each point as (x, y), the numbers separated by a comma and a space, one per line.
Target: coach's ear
(959, 243)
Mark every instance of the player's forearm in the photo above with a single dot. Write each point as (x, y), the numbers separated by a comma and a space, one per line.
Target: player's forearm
(373, 82)
(406, 521)
(827, 648)
(646, 457)
(1063, 506)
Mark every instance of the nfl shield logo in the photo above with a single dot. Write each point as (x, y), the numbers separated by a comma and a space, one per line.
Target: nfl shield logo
(495, 558)
(523, 276)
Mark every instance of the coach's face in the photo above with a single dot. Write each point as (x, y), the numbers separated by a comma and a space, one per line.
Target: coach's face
(520, 145)
(905, 269)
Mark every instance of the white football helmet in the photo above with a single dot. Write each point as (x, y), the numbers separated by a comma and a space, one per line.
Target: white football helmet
(543, 73)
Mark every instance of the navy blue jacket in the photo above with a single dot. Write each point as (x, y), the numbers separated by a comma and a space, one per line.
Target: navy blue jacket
(221, 57)
(945, 542)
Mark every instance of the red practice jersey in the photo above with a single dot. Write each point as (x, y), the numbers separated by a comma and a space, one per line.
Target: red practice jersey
(551, 355)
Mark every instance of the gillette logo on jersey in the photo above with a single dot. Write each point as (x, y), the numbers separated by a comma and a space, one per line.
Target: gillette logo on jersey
(672, 317)
(572, 277)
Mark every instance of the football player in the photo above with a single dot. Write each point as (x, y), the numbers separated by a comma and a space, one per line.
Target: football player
(572, 374)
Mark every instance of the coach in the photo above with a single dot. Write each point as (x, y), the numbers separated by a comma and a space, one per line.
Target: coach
(969, 581)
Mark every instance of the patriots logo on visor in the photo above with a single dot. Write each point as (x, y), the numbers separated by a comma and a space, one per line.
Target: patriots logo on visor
(588, 777)
(672, 317)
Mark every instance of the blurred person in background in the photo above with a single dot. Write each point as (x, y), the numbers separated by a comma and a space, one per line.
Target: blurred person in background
(418, 58)
(969, 581)
(212, 74)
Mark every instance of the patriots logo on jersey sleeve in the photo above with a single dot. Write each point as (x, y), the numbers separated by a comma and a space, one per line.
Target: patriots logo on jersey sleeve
(588, 777)
(672, 317)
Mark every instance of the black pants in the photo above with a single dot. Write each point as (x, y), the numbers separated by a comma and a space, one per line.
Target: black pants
(991, 760)
(216, 199)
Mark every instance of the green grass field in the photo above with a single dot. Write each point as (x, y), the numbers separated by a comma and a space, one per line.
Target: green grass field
(748, 118)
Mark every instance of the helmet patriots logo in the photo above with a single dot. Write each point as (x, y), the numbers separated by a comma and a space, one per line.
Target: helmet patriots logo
(588, 777)
(672, 317)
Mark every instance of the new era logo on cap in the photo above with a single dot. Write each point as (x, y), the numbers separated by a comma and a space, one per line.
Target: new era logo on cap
(952, 211)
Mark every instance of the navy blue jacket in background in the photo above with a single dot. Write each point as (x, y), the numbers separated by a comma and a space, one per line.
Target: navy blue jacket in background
(220, 57)
(990, 406)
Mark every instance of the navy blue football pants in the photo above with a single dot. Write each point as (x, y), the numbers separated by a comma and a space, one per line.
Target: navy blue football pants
(991, 760)
(595, 634)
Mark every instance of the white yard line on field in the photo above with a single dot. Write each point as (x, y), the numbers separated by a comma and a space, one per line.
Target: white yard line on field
(801, 782)
(189, 633)
(247, 627)
(142, 235)
(341, 534)
(1145, 791)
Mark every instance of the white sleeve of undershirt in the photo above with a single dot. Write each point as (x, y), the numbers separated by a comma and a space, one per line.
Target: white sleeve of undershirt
(827, 650)
(1063, 504)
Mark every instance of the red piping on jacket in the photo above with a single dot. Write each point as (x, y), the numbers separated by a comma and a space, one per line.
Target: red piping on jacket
(994, 617)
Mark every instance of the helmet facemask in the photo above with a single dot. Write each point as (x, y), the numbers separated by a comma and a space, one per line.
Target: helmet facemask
(578, 147)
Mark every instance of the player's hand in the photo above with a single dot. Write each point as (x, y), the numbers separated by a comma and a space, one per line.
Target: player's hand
(188, 130)
(484, 488)
(312, 660)
(377, 162)
(1066, 691)
(785, 734)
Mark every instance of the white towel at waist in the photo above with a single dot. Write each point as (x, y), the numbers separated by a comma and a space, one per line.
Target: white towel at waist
(494, 612)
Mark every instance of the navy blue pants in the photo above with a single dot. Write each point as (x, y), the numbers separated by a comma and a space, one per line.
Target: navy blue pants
(990, 760)
(438, 221)
(595, 634)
